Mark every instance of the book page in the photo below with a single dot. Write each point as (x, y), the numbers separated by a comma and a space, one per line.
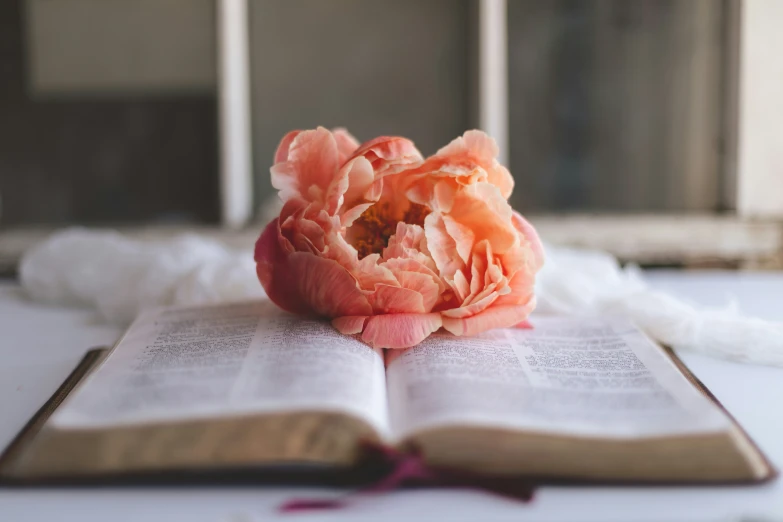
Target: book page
(584, 377)
(185, 363)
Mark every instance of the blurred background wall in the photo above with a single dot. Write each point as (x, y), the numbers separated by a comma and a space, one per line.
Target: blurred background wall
(108, 107)
(107, 111)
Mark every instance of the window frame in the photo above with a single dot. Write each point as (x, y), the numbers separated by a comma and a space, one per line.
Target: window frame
(748, 171)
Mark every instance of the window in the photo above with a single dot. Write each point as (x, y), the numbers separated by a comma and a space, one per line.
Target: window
(652, 129)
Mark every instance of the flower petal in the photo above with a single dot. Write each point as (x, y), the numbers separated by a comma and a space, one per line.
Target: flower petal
(463, 237)
(388, 299)
(521, 289)
(407, 264)
(442, 246)
(481, 208)
(390, 154)
(350, 324)
(282, 149)
(493, 317)
(327, 288)
(346, 143)
(529, 232)
(482, 149)
(313, 159)
(273, 271)
(352, 186)
(423, 284)
(400, 330)
(472, 309)
(369, 273)
(461, 285)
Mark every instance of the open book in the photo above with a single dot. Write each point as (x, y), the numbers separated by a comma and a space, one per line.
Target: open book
(246, 387)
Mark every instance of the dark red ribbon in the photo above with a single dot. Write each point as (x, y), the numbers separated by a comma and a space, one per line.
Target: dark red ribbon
(407, 468)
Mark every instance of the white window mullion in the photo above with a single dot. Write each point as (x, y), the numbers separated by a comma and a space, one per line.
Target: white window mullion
(236, 181)
(760, 129)
(493, 73)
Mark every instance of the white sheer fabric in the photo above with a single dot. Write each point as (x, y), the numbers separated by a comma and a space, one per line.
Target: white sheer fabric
(119, 277)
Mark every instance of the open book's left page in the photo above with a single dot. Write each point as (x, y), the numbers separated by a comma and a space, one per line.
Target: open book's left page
(228, 360)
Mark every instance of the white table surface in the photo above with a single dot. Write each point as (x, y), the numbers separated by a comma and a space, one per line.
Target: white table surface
(40, 345)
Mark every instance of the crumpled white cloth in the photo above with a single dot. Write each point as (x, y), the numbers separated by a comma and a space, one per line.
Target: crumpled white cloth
(119, 276)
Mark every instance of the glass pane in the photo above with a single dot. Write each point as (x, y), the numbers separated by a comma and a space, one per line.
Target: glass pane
(616, 104)
(373, 66)
(108, 111)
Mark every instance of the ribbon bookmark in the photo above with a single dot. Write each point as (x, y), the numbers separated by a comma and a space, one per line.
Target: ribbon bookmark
(408, 468)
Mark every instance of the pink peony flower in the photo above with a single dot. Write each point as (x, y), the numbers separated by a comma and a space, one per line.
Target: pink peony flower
(392, 246)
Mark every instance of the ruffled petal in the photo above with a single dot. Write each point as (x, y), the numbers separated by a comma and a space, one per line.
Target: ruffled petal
(474, 308)
(346, 143)
(400, 330)
(442, 247)
(350, 324)
(274, 272)
(389, 299)
(409, 264)
(352, 189)
(310, 167)
(529, 233)
(282, 149)
(390, 154)
(480, 148)
(493, 317)
(422, 284)
(463, 237)
(481, 208)
(327, 288)
(369, 273)
(520, 289)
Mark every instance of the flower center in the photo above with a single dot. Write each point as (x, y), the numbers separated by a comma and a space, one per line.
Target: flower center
(376, 225)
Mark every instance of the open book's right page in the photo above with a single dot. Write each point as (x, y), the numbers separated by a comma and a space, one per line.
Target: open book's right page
(571, 376)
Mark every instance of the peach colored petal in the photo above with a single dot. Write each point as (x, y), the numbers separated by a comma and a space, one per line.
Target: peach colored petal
(304, 234)
(369, 273)
(327, 288)
(405, 236)
(521, 289)
(444, 196)
(530, 234)
(492, 317)
(388, 299)
(409, 242)
(408, 264)
(312, 161)
(474, 142)
(346, 143)
(423, 284)
(463, 237)
(390, 154)
(338, 249)
(446, 175)
(489, 289)
(350, 324)
(272, 271)
(442, 247)
(353, 190)
(481, 259)
(461, 285)
(487, 213)
(481, 303)
(499, 176)
(480, 148)
(400, 330)
(349, 216)
(282, 149)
